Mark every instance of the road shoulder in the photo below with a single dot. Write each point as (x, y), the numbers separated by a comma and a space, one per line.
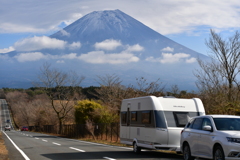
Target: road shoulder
(3, 149)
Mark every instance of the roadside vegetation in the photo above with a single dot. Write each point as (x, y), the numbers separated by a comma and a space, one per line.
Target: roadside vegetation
(62, 105)
(3, 150)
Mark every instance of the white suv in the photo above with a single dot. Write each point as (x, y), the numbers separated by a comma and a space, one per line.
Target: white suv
(211, 136)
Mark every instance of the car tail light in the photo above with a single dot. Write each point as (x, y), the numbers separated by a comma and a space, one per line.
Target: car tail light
(182, 131)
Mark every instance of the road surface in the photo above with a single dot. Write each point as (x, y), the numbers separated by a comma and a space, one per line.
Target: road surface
(35, 146)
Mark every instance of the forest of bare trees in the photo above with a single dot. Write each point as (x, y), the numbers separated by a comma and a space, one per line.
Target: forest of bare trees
(55, 103)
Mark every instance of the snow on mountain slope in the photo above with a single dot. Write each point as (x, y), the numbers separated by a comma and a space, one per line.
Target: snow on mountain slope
(101, 25)
(114, 24)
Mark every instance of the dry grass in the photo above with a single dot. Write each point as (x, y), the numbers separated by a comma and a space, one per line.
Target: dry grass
(3, 150)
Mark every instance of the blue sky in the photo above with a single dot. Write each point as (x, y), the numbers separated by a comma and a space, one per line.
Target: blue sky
(187, 22)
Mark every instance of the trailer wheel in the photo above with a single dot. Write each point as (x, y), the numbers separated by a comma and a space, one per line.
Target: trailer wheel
(136, 149)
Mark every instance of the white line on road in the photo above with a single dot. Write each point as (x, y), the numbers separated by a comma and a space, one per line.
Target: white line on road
(23, 154)
(77, 149)
(44, 140)
(109, 158)
(36, 138)
(56, 143)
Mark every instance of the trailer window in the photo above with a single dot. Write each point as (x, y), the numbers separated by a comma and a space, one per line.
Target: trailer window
(134, 116)
(124, 117)
(181, 118)
(190, 123)
(146, 117)
(160, 120)
(171, 121)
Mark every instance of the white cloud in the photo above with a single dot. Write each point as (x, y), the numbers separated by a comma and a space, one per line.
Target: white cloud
(99, 57)
(74, 45)
(95, 57)
(172, 58)
(168, 49)
(44, 42)
(108, 44)
(64, 33)
(191, 60)
(69, 56)
(34, 56)
(135, 48)
(60, 61)
(6, 50)
(74, 17)
(38, 43)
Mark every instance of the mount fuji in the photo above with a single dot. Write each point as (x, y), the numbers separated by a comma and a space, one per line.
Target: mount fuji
(100, 43)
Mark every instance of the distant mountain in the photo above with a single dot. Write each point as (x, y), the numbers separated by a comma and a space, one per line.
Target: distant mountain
(111, 42)
(114, 24)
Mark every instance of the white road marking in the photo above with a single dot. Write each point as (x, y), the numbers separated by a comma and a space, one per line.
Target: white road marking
(36, 138)
(44, 140)
(56, 143)
(23, 154)
(109, 158)
(77, 149)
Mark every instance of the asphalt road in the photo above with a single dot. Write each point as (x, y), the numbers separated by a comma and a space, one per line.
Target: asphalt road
(35, 146)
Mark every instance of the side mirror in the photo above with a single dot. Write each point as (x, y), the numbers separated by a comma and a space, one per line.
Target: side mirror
(207, 128)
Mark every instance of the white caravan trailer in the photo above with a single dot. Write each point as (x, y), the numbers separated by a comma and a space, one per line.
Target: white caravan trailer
(156, 122)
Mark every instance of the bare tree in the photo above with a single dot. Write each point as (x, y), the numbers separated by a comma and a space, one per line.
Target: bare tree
(219, 76)
(227, 53)
(61, 90)
(111, 92)
(145, 88)
(90, 127)
(109, 80)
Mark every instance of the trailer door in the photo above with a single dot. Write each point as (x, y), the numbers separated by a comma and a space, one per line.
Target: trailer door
(161, 128)
(128, 122)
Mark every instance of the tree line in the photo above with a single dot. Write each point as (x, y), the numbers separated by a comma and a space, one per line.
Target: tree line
(58, 104)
